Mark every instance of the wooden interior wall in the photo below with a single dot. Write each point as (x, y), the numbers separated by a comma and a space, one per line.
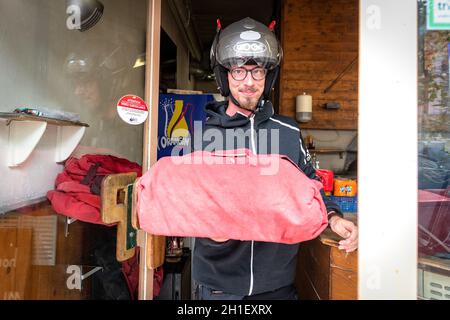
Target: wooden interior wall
(320, 39)
(27, 281)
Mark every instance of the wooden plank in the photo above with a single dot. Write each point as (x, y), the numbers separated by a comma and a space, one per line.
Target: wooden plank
(321, 28)
(343, 90)
(317, 39)
(345, 17)
(313, 69)
(308, 37)
(344, 285)
(114, 210)
(343, 260)
(348, 46)
(318, 6)
(348, 110)
(301, 68)
(318, 103)
(346, 118)
(15, 266)
(318, 75)
(134, 214)
(323, 56)
(157, 246)
(288, 106)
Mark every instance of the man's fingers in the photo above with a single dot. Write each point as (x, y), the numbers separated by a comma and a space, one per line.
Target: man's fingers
(351, 243)
(353, 236)
(352, 239)
(348, 248)
(349, 232)
(343, 231)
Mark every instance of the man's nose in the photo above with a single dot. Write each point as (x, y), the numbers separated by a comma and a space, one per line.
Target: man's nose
(249, 79)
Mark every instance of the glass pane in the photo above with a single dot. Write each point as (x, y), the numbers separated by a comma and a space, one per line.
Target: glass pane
(434, 152)
(71, 61)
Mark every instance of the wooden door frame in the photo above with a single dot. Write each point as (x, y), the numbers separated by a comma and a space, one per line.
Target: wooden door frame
(145, 240)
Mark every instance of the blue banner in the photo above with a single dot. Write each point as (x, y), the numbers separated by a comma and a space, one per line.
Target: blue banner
(176, 116)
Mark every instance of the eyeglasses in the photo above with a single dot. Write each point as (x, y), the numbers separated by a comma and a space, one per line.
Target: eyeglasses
(240, 74)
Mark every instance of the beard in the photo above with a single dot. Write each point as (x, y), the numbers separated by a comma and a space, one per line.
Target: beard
(248, 103)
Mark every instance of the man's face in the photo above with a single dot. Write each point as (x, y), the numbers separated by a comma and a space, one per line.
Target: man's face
(89, 92)
(247, 91)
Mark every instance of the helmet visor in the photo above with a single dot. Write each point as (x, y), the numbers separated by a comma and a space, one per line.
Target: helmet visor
(240, 53)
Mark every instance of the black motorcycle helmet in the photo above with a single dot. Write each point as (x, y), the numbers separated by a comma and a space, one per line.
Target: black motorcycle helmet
(242, 42)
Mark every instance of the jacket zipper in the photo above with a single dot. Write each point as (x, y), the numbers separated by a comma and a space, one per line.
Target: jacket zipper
(252, 141)
(252, 126)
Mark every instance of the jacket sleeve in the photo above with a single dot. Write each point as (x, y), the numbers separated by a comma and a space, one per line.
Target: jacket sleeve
(307, 167)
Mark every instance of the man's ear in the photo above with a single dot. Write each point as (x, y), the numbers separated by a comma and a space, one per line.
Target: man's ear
(221, 74)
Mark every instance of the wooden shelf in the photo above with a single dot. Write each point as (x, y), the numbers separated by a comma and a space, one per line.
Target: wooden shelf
(12, 116)
(326, 151)
(434, 262)
(25, 132)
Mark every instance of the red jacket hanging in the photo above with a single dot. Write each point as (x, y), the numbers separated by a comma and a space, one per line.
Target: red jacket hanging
(77, 193)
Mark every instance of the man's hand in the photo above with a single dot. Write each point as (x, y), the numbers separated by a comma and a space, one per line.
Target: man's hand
(347, 230)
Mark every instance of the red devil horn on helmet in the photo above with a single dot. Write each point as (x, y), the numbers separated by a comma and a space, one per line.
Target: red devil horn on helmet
(272, 25)
(219, 25)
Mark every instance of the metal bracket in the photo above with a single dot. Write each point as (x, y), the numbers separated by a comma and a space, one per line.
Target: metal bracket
(69, 221)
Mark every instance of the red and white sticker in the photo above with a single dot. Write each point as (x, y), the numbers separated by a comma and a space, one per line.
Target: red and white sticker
(132, 109)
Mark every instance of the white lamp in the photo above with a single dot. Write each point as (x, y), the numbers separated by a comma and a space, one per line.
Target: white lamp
(304, 108)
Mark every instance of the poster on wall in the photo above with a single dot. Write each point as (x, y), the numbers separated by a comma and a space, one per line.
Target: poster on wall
(177, 114)
(438, 15)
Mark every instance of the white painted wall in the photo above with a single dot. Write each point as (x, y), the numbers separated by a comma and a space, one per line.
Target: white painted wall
(387, 166)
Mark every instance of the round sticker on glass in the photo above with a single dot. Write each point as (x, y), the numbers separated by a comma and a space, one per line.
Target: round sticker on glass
(132, 109)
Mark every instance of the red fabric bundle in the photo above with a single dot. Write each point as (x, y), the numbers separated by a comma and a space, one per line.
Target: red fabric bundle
(130, 270)
(232, 195)
(74, 199)
(327, 177)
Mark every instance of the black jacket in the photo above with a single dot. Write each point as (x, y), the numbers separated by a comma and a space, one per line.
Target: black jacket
(251, 267)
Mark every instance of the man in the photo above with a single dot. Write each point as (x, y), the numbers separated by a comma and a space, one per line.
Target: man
(245, 57)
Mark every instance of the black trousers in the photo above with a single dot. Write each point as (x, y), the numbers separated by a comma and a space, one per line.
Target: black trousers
(284, 293)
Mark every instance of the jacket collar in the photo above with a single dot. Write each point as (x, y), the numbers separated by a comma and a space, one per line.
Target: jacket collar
(216, 111)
